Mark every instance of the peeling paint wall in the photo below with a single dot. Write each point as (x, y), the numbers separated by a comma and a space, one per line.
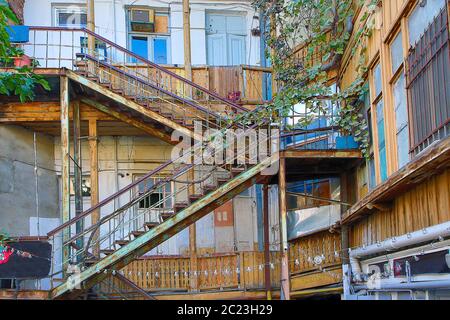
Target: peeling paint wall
(18, 203)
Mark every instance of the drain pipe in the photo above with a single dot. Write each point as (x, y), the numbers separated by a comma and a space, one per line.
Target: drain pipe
(396, 243)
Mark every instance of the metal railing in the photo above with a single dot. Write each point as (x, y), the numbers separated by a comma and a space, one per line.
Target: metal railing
(56, 47)
(428, 69)
(183, 185)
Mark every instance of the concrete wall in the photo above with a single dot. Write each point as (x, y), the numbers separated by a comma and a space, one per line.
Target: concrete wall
(18, 203)
(110, 18)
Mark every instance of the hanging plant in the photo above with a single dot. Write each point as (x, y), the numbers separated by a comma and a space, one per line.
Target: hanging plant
(21, 81)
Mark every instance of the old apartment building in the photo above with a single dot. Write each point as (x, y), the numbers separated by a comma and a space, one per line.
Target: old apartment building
(88, 177)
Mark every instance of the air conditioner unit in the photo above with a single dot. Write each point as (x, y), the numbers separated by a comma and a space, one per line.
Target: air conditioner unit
(142, 20)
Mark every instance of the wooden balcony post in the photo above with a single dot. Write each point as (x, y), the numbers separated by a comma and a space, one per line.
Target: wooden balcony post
(285, 290)
(187, 44)
(266, 242)
(93, 153)
(344, 228)
(65, 162)
(91, 25)
(77, 180)
(193, 258)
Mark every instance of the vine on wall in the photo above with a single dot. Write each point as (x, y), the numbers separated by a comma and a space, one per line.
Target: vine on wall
(324, 29)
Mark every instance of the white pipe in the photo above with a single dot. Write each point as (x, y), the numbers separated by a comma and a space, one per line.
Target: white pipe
(396, 243)
(435, 284)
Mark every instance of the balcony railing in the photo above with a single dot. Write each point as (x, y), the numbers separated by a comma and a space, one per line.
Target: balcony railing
(240, 270)
(428, 85)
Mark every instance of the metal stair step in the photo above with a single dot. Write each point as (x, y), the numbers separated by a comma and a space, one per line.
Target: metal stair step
(137, 234)
(121, 242)
(236, 171)
(195, 197)
(107, 252)
(180, 206)
(151, 225)
(167, 215)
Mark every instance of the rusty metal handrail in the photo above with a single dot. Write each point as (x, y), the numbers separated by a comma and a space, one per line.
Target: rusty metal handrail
(144, 61)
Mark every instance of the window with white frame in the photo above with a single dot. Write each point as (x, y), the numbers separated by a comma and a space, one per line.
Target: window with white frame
(73, 16)
(225, 38)
(159, 193)
(148, 34)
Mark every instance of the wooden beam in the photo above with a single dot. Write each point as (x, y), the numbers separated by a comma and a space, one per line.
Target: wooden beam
(65, 161)
(131, 104)
(193, 279)
(354, 154)
(93, 156)
(187, 40)
(283, 231)
(91, 25)
(158, 133)
(267, 281)
(77, 168)
(344, 229)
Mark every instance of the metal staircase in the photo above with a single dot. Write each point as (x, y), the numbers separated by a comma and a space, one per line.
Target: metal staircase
(169, 198)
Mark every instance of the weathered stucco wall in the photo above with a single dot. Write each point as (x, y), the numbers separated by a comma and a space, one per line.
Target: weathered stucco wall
(18, 201)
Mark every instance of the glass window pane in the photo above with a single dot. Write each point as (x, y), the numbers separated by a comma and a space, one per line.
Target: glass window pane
(160, 51)
(400, 103)
(383, 164)
(421, 17)
(403, 147)
(397, 52)
(377, 80)
(380, 122)
(139, 46)
(372, 181)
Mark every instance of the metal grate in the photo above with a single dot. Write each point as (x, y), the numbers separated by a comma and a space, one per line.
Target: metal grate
(428, 85)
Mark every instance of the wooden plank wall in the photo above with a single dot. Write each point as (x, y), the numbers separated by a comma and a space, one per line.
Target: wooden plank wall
(314, 245)
(219, 271)
(425, 205)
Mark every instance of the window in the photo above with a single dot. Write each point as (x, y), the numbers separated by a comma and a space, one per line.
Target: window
(401, 120)
(70, 16)
(85, 186)
(421, 18)
(159, 198)
(225, 37)
(381, 140)
(319, 189)
(378, 105)
(397, 53)
(149, 35)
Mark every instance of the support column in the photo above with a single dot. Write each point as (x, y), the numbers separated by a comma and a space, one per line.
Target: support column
(285, 290)
(93, 153)
(187, 40)
(78, 174)
(193, 257)
(267, 282)
(65, 162)
(91, 25)
(344, 228)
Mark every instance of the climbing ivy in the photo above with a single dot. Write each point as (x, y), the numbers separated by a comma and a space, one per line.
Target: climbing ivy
(21, 81)
(323, 28)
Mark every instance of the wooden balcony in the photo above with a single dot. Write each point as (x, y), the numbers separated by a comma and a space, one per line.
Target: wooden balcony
(217, 272)
(315, 262)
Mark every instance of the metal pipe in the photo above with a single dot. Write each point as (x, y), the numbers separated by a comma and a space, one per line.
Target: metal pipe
(396, 243)
(36, 181)
(435, 284)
